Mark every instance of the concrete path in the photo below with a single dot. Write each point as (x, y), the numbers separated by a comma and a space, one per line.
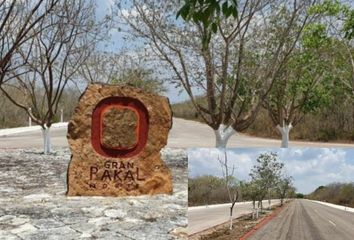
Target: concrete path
(204, 217)
(183, 134)
(303, 219)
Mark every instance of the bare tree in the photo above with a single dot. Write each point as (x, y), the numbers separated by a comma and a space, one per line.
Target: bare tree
(19, 22)
(104, 66)
(51, 57)
(235, 70)
(228, 176)
(121, 68)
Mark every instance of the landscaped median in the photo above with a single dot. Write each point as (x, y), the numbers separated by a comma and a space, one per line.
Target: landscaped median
(243, 227)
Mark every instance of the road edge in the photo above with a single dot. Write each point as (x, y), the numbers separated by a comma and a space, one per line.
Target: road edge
(215, 226)
(332, 205)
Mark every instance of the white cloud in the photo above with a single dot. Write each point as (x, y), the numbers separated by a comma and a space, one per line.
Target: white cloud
(310, 167)
(133, 12)
(205, 161)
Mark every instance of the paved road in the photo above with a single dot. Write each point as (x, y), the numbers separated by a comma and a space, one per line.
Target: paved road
(184, 134)
(202, 218)
(303, 219)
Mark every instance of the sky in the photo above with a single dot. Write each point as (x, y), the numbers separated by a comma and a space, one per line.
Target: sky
(310, 167)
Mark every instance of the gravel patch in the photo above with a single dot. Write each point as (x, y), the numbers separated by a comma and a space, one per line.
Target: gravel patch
(33, 204)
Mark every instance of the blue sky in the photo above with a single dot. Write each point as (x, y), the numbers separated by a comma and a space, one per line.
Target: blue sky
(310, 167)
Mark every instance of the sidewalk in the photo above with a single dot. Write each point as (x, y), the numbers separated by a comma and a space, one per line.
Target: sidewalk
(10, 131)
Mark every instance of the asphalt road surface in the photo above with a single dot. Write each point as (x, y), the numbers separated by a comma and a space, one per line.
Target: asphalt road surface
(303, 219)
(184, 134)
(202, 218)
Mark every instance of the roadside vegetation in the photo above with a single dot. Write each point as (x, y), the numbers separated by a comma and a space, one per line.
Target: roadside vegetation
(263, 67)
(242, 226)
(322, 126)
(49, 52)
(250, 64)
(336, 193)
(267, 181)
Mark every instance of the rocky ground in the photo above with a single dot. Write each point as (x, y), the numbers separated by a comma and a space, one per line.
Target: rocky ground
(33, 204)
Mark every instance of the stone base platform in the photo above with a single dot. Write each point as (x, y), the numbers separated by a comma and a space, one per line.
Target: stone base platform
(33, 204)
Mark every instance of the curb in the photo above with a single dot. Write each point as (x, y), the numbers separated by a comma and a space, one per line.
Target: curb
(263, 222)
(214, 227)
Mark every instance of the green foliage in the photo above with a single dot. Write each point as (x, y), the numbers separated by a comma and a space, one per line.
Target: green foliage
(205, 190)
(208, 13)
(304, 81)
(266, 176)
(327, 7)
(315, 36)
(348, 26)
(299, 195)
(266, 173)
(334, 8)
(337, 193)
(268, 168)
(251, 190)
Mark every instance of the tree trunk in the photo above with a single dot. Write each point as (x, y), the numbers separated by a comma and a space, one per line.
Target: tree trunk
(269, 203)
(231, 208)
(254, 209)
(284, 131)
(222, 135)
(46, 140)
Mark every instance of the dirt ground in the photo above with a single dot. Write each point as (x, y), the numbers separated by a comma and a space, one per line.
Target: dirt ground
(241, 226)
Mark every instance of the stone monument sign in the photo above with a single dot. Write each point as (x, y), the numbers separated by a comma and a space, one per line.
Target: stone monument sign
(115, 138)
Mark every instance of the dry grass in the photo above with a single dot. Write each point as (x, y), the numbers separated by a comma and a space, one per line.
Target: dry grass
(331, 124)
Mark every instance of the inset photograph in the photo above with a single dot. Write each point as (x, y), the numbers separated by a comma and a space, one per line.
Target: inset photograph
(271, 193)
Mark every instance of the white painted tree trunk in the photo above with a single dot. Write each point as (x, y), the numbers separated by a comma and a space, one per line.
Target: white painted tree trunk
(222, 135)
(61, 115)
(269, 201)
(284, 131)
(231, 213)
(29, 118)
(46, 140)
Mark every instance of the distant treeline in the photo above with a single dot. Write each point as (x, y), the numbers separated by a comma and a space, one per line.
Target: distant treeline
(337, 193)
(331, 123)
(12, 116)
(208, 190)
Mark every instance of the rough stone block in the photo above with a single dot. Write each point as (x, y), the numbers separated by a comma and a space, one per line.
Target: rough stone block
(115, 137)
(120, 128)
